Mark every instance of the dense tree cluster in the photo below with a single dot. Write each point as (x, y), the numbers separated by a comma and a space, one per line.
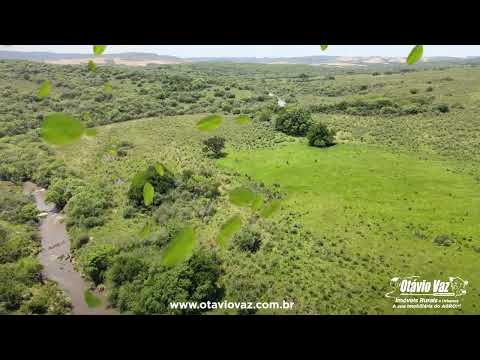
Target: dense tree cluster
(320, 136)
(294, 122)
(141, 290)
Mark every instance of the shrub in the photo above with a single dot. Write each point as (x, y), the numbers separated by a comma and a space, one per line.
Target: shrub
(203, 271)
(248, 240)
(443, 240)
(411, 109)
(294, 122)
(125, 268)
(265, 115)
(95, 260)
(202, 185)
(16, 280)
(80, 240)
(443, 108)
(320, 136)
(214, 147)
(27, 213)
(16, 244)
(86, 208)
(161, 184)
(16, 207)
(129, 212)
(46, 300)
(61, 191)
(3, 234)
(157, 292)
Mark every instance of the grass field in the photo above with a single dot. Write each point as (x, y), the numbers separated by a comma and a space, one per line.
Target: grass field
(387, 206)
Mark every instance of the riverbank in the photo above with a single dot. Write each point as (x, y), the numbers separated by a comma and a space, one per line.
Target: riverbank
(56, 259)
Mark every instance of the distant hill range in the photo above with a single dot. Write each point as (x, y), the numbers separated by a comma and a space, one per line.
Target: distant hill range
(143, 59)
(132, 59)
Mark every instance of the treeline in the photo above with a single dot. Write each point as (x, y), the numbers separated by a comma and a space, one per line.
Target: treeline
(132, 94)
(382, 106)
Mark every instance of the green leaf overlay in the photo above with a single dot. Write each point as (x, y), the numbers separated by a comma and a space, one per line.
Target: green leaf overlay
(415, 55)
(61, 129)
(99, 49)
(148, 192)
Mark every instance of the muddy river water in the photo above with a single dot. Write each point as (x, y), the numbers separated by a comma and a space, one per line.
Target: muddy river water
(55, 256)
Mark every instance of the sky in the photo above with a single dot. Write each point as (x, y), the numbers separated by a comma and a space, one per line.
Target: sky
(261, 50)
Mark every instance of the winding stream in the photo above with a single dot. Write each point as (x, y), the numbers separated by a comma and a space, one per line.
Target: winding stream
(55, 256)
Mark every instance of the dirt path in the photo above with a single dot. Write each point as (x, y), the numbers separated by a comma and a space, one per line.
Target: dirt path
(55, 256)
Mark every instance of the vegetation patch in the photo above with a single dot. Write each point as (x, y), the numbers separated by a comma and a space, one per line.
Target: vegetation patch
(242, 120)
(270, 209)
(209, 123)
(244, 196)
(228, 229)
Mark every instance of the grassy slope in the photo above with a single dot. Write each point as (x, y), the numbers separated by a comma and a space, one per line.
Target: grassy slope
(376, 240)
(365, 242)
(174, 141)
(377, 203)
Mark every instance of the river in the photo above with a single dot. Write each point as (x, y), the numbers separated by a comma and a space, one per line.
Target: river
(55, 257)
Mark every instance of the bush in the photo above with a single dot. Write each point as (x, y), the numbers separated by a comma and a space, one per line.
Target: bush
(15, 245)
(125, 268)
(3, 234)
(214, 147)
(443, 108)
(248, 240)
(203, 271)
(265, 115)
(16, 280)
(16, 207)
(156, 293)
(443, 240)
(61, 191)
(129, 212)
(27, 213)
(202, 185)
(411, 109)
(86, 208)
(294, 122)
(161, 184)
(80, 241)
(46, 300)
(95, 260)
(320, 136)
